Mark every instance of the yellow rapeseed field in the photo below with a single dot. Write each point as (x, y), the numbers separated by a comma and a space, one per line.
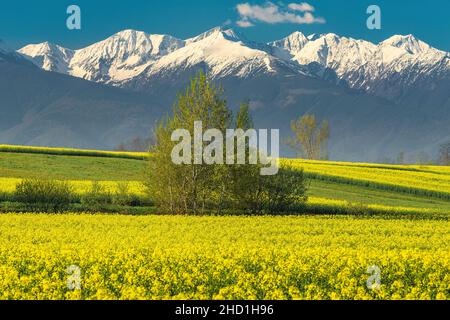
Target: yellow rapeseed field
(332, 204)
(168, 257)
(80, 186)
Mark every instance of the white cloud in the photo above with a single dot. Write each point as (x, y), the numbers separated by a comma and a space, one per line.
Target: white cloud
(302, 7)
(274, 14)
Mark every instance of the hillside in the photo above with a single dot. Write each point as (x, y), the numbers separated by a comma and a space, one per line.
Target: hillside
(333, 186)
(46, 108)
(380, 99)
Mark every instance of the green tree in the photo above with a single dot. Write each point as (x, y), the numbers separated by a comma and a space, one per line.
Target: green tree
(187, 188)
(255, 194)
(245, 192)
(309, 139)
(191, 188)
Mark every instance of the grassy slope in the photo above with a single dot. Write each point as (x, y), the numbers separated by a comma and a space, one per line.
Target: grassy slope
(53, 165)
(18, 165)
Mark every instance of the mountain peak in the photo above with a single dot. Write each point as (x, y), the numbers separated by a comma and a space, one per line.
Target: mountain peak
(134, 41)
(130, 34)
(44, 48)
(233, 34)
(129, 42)
(330, 35)
(224, 32)
(48, 56)
(408, 43)
(296, 36)
(294, 42)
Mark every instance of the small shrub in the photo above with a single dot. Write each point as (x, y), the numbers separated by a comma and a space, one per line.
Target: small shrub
(96, 197)
(122, 196)
(136, 201)
(285, 192)
(6, 196)
(44, 195)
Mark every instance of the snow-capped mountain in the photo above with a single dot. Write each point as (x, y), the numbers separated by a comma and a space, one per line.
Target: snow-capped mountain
(328, 51)
(407, 43)
(222, 53)
(387, 69)
(130, 55)
(49, 56)
(293, 43)
(121, 56)
(134, 59)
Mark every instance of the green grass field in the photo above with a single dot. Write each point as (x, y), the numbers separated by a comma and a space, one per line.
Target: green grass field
(371, 185)
(21, 165)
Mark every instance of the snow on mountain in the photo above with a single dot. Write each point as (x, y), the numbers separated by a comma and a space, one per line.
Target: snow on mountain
(402, 63)
(48, 56)
(132, 56)
(395, 64)
(119, 57)
(407, 43)
(122, 56)
(228, 34)
(337, 53)
(223, 52)
(293, 43)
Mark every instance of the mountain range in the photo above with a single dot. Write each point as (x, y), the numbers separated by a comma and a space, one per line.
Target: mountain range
(380, 99)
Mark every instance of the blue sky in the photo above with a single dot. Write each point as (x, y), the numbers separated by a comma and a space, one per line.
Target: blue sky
(23, 22)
